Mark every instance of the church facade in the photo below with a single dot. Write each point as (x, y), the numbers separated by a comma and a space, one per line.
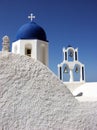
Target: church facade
(31, 40)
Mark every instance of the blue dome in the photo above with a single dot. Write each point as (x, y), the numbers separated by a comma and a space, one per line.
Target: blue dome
(31, 31)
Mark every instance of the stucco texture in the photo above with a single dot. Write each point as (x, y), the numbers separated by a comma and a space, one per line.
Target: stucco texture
(33, 98)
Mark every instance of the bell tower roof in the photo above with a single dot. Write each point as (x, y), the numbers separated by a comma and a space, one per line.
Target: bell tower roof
(31, 30)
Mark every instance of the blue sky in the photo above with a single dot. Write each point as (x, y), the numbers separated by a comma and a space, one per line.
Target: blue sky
(66, 22)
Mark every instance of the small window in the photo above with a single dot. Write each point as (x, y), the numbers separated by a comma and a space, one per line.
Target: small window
(28, 52)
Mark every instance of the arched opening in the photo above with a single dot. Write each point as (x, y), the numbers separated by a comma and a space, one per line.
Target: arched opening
(76, 56)
(76, 72)
(66, 73)
(83, 78)
(65, 55)
(70, 55)
(60, 72)
(28, 50)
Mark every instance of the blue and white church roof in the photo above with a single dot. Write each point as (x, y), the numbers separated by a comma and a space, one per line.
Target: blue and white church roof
(31, 30)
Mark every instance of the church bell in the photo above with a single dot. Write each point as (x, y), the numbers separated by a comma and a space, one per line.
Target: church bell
(71, 54)
(66, 69)
(76, 69)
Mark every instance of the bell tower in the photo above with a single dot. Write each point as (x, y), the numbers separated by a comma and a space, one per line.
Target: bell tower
(31, 40)
(71, 70)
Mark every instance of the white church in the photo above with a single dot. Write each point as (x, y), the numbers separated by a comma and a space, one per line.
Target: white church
(31, 40)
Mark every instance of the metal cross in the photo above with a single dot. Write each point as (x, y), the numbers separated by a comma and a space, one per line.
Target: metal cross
(31, 17)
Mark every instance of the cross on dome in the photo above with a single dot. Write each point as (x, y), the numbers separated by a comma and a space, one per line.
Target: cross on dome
(31, 17)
